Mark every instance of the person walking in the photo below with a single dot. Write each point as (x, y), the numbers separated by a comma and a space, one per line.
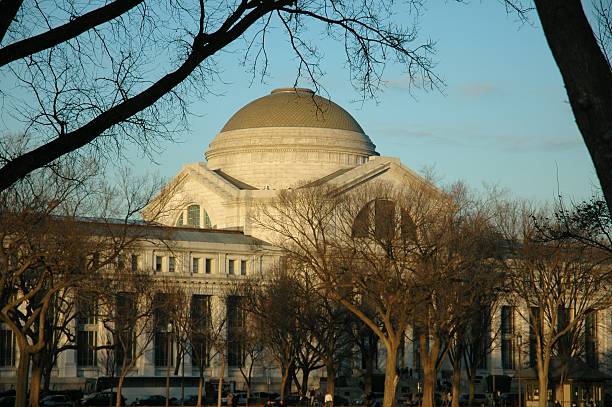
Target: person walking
(329, 399)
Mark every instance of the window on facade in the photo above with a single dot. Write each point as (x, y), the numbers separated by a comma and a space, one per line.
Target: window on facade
(208, 269)
(482, 327)
(195, 265)
(7, 347)
(121, 261)
(86, 348)
(243, 267)
(86, 330)
(200, 315)
(507, 337)
(230, 266)
(193, 216)
(159, 263)
(134, 262)
(534, 323)
(179, 220)
(590, 340)
(378, 219)
(171, 264)
(564, 344)
(235, 331)
(163, 343)
(125, 319)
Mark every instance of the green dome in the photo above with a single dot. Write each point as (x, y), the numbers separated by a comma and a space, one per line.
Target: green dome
(292, 107)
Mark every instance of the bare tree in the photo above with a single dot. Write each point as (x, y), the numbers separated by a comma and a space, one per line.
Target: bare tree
(127, 307)
(359, 246)
(556, 286)
(92, 76)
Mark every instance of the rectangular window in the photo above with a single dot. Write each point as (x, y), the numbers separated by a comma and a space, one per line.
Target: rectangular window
(86, 330)
(235, 331)
(120, 261)
(134, 262)
(243, 267)
(124, 327)
(86, 348)
(7, 347)
(85, 310)
(200, 317)
(159, 263)
(590, 340)
(163, 343)
(230, 266)
(208, 266)
(195, 265)
(507, 337)
(171, 264)
(534, 327)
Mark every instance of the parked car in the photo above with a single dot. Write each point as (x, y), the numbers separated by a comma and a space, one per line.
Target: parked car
(341, 401)
(291, 400)
(155, 400)
(7, 401)
(508, 400)
(104, 399)
(57, 400)
(480, 399)
(192, 400)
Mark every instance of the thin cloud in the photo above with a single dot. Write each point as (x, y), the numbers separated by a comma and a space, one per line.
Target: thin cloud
(478, 89)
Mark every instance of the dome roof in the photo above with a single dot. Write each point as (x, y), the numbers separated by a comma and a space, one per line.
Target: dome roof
(292, 107)
(286, 138)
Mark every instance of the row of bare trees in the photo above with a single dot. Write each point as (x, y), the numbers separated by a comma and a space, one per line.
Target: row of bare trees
(440, 263)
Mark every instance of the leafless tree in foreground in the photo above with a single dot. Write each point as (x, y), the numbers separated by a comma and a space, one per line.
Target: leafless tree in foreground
(50, 245)
(358, 248)
(556, 285)
(105, 73)
(387, 254)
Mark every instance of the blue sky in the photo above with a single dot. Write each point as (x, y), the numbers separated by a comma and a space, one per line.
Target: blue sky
(502, 119)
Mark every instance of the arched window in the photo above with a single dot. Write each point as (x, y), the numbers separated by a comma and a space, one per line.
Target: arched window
(193, 216)
(379, 219)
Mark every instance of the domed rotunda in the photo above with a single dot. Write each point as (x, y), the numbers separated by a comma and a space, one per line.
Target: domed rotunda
(287, 137)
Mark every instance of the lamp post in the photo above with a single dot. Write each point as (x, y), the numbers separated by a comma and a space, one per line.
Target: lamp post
(168, 362)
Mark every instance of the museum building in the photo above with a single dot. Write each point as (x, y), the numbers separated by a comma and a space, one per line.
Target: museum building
(287, 138)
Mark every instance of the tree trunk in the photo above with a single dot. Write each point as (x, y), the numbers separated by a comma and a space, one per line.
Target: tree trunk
(23, 370)
(428, 362)
(587, 79)
(286, 372)
(331, 380)
(120, 387)
(200, 388)
(456, 383)
(543, 366)
(35, 380)
(304, 385)
(471, 391)
(220, 389)
(391, 377)
(48, 367)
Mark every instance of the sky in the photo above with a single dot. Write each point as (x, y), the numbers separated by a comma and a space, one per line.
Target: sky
(501, 119)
